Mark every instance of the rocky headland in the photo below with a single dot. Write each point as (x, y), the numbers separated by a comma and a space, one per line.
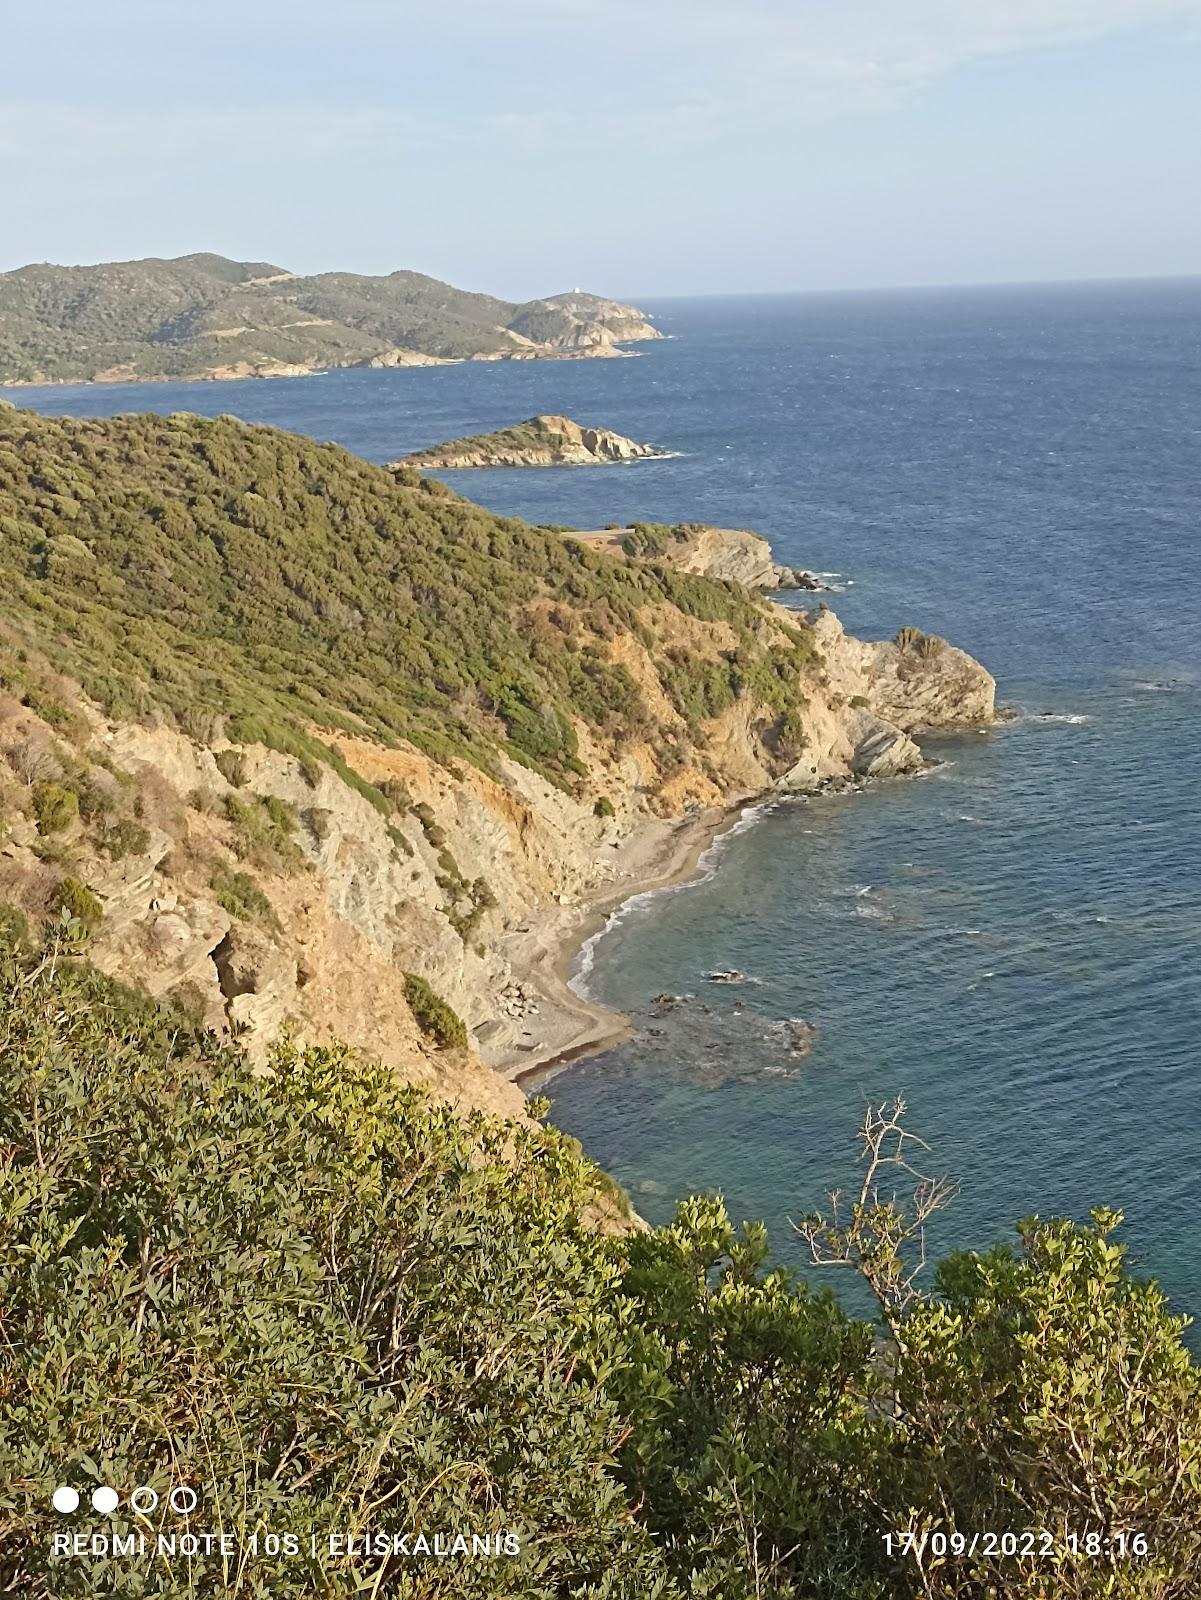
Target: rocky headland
(544, 441)
(263, 879)
(204, 316)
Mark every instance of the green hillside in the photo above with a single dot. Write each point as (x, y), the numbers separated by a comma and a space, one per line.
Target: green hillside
(335, 1307)
(202, 314)
(235, 576)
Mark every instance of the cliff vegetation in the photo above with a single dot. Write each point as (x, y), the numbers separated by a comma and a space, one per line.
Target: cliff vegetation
(291, 735)
(241, 579)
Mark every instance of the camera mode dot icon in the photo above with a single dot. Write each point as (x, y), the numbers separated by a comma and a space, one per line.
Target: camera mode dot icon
(64, 1499)
(105, 1499)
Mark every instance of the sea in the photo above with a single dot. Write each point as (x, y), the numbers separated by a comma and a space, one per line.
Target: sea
(1012, 942)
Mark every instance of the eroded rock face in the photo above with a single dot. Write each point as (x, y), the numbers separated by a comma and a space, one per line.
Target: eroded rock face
(944, 689)
(364, 898)
(739, 556)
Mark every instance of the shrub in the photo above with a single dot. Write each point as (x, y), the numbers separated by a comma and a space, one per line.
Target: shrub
(14, 928)
(96, 795)
(433, 1016)
(232, 766)
(399, 841)
(646, 539)
(264, 831)
(922, 644)
(330, 1302)
(337, 1305)
(125, 838)
(54, 807)
(75, 898)
(240, 895)
(396, 792)
(604, 807)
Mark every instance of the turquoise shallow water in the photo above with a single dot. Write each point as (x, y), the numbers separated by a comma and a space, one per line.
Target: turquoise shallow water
(1011, 942)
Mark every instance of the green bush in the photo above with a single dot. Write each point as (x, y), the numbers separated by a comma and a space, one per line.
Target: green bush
(75, 898)
(433, 1016)
(125, 838)
(604, 807)
(922, 644)
(338, 1306)
(54, 807)
(14, 928)
(326, 1301)
(240, 895)
(646, 539)
(264, 829)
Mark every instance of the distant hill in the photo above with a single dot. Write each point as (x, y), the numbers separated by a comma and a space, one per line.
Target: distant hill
(202, 316)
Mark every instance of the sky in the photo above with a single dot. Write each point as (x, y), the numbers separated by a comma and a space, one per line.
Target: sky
(634, 147)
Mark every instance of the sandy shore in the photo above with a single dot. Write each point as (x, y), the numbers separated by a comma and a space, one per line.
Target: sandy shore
(658, 856)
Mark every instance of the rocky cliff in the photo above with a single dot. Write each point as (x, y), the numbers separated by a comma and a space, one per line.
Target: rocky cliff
(733, 555)
(287, 734)
(544, 441)
(357, 900)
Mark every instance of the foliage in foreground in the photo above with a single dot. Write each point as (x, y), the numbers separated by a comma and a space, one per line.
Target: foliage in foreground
(331, 1305)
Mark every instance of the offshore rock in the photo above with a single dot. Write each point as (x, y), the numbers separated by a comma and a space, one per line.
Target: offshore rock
(544, 441)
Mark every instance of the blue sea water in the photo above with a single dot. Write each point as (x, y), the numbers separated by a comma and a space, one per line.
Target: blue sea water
(1011, 942)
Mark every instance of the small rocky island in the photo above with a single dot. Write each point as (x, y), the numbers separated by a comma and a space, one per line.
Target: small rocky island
(546, 441)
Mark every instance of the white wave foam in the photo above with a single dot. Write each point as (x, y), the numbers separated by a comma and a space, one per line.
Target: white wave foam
(706, 867)
(872, 913)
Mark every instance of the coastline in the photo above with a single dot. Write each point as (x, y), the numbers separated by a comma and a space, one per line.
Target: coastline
(301, 370)
(661, 855)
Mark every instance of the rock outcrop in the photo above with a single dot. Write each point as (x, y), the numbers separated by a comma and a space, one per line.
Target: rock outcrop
(739, 556)
(545, 441)
(735, 555)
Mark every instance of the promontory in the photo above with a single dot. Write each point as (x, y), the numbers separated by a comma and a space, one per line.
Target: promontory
(307, 746)
(204, 316)
(546, 441)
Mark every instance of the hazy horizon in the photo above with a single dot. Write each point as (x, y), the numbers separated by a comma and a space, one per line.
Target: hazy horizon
(663, 149)
(750, 292)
